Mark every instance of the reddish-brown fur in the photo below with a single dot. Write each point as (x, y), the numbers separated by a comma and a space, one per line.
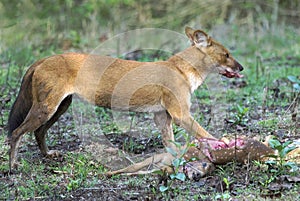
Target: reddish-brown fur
(162, 87)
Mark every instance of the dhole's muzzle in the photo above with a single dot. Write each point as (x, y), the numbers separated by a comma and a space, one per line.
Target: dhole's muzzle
(230, 73)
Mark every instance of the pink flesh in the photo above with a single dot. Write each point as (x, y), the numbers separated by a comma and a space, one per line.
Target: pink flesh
(232, 74)
(214, 143)
(238, 142)
(220, 144)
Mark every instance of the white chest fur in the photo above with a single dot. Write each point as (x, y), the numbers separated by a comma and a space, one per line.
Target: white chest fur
(195, 80)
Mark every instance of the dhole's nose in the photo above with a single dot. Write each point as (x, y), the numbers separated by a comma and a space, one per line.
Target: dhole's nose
(239, 66)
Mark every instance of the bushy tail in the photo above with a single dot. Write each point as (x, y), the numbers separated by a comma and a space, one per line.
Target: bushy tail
(23, 102)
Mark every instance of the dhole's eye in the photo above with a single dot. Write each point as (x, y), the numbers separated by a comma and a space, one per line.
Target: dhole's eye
(227, 55)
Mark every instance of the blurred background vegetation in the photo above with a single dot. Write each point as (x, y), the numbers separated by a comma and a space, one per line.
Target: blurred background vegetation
(57, 22)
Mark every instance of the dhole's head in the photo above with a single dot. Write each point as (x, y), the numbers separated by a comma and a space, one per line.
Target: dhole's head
(219, 55)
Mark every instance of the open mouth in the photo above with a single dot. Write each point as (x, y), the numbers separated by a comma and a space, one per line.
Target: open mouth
(230, 73)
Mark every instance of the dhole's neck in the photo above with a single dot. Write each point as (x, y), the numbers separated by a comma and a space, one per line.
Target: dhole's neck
(196, 65)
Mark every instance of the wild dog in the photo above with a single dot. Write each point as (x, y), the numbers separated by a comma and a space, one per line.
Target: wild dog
(162, 87)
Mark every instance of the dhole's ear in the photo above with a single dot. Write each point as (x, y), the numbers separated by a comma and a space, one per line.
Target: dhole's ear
(189, 32)
(198, 38)
(201, 39)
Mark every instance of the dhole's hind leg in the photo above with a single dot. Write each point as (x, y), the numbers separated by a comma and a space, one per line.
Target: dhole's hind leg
(163, 121)
(41, 132)
(37, 116)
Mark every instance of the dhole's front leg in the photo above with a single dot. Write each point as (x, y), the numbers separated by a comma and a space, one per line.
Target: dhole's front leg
(191, 126)
(180, 113)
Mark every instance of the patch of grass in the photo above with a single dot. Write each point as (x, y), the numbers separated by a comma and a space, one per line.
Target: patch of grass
(40, 179)
(269, 123)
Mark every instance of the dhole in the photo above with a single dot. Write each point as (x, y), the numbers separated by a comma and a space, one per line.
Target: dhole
(162, 87)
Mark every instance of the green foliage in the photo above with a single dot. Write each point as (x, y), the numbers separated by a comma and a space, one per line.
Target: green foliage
(227, 182)
(281, 165)
(295, 81)
(282, 148)
(223, 196)
(278, 164)
(58, 20)
(240, 115)
(225, 174)
(269, 123)
(178, 162)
